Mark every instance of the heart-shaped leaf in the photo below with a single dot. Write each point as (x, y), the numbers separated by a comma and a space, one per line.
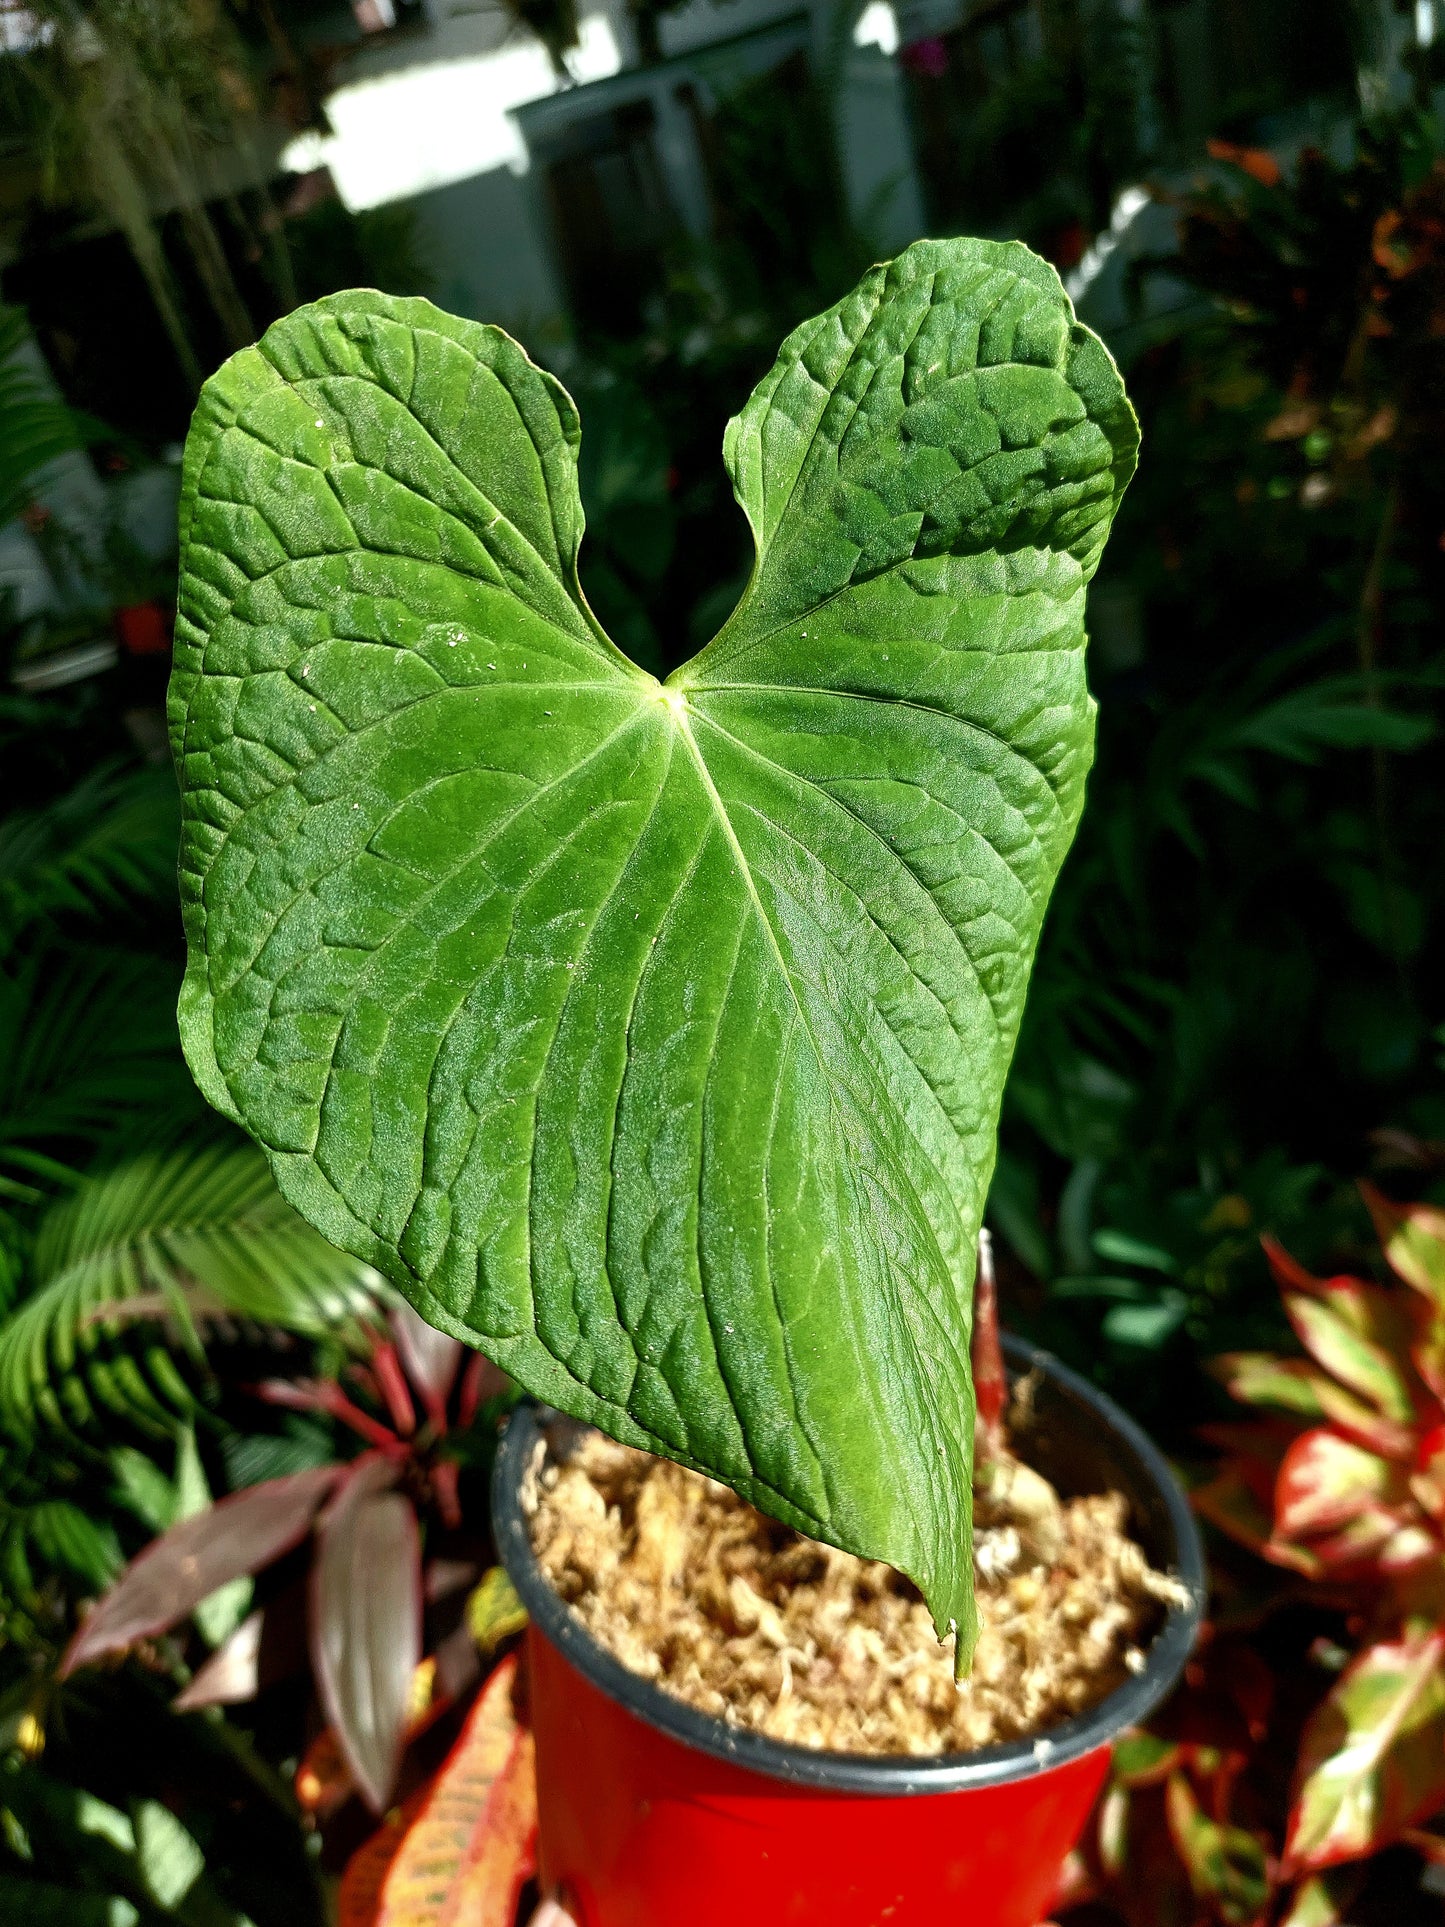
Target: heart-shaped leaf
(651, 1037)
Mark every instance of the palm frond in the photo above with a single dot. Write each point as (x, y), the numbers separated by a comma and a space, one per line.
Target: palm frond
(106, 843)
(125, 1268)
(35, 425)
(88, 1051)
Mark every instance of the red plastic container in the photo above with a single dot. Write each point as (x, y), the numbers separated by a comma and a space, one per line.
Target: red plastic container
(652, 1814)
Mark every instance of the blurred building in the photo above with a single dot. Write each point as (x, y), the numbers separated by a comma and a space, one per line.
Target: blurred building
(550, 163)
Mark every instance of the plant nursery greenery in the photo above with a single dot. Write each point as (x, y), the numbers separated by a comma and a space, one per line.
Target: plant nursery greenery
(651, 1036)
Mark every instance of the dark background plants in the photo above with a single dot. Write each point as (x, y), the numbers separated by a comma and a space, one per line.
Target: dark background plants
(1237, 1008)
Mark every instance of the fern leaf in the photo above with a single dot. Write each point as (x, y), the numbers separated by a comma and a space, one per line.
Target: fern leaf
(145, 1249)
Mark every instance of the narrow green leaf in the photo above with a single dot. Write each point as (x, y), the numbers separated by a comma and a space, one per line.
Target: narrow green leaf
(143, 1488)
(65, 1536)
(652, 1037)
(170, 1862)
(1227, 1866)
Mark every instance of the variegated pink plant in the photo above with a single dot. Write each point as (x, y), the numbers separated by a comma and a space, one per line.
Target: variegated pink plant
(1252, 1802)
(1346, 1485)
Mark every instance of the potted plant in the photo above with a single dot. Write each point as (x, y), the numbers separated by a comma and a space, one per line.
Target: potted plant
(651, 1035)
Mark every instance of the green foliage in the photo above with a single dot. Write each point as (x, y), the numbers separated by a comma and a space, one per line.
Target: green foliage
(1241, 970)
(1279, 1796)
(35, 427)
(172, 1243)
(94, 851)
(78, 1858)
(439, 968)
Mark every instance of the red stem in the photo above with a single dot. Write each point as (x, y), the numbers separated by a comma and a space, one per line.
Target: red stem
(990, 1381)
(325, 1395)
(386, 1367)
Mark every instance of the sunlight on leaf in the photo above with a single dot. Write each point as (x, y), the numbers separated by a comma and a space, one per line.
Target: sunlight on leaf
(460, 1850)
(1373, 1757)
(494, 1612)
(652, 1038)
(365, 1625)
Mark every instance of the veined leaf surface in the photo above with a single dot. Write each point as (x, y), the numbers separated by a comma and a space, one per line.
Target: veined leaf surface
(651, 1037)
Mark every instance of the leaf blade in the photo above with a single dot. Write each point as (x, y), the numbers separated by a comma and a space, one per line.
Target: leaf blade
(1372, 1759)
(167, 1581)
(365, 1623)
(652, 1039)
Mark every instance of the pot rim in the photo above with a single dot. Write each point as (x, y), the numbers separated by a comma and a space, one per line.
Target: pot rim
(878, 1774)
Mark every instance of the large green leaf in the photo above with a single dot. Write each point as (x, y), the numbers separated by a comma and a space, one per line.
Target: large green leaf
(652, 1036)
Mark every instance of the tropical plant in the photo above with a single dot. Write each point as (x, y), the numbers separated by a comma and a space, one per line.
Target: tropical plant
(127, 105)
(1277, 1802)
(1240, 974)
(454, 869)
(369, 1582)
(130, 1269)
(35, 426)
(460, 1850)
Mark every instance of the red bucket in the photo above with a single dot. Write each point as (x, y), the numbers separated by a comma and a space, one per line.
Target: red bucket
(653, 1814)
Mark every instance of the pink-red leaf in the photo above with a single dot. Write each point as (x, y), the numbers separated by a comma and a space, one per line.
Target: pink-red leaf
(391, 1383)
(1231, 1502)
(1372, 1759)
(1413, 1238)
(166, 1582)
(325, 1395)
(1260, 1378)
(366, 1622)
(1325, 1482)
(460, 1851)
(432, 1360)
(1296, 1385)
(1375, 1541)
(1362, 1337)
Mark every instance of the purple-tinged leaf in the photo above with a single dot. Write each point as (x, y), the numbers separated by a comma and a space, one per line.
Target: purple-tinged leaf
(366, 1622)
(166, 1582)
(1372, 1759)
(432, 1360)
(232, 1675)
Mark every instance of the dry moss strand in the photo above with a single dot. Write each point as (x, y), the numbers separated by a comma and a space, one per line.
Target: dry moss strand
(747, 1620)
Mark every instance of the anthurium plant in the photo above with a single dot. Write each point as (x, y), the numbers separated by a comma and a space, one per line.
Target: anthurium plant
(650, 1036)
(1341, 1485)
